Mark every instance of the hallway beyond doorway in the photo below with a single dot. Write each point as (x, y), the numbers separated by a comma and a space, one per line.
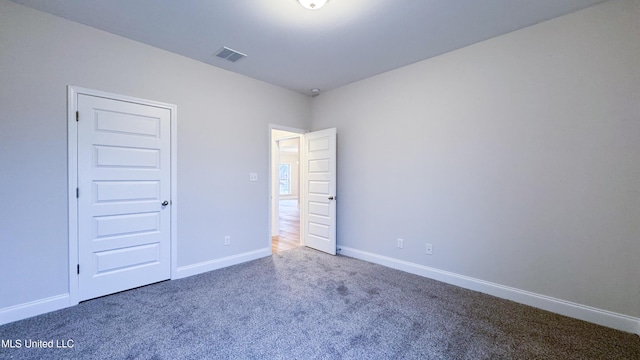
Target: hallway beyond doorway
(289, 237)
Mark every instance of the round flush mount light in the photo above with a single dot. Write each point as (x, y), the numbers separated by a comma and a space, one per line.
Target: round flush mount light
(312, 4)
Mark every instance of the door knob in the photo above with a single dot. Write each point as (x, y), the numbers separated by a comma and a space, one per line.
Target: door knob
(331, 197)
(165, 203)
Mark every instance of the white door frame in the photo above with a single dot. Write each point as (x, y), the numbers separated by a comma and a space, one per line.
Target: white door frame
(273, 196)
(72, 151)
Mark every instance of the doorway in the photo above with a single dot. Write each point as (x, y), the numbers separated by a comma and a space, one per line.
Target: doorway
(285, 190)
(316, 197)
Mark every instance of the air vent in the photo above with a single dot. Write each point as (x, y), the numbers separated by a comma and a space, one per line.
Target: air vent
(230, 54)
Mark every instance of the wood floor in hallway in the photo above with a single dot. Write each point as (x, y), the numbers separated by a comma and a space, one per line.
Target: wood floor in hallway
(289, 237)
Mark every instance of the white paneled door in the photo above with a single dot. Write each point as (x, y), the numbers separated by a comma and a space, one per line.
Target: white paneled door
(124, 175)
(319, 176)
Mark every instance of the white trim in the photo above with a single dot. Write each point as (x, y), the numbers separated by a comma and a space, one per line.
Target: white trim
(274, 191)
(43, 306)
(33, 308)
(72, 180)
(286, 128)
(558, 306)
(199, 268)
(174, 190)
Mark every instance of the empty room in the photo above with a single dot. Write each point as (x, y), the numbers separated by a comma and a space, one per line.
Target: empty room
(341, 179)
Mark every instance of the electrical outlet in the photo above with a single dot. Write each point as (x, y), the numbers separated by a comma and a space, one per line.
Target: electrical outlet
(227, 240)
(400, 243)
(253, 176)
(429, 249)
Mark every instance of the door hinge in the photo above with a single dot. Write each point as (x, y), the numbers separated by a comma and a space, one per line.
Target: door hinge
(77, 193)
(77, 116)
(78, 269)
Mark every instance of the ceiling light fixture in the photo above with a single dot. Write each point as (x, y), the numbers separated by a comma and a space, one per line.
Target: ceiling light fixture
(313, 4)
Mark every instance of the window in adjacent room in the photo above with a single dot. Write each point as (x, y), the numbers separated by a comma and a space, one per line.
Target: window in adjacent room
(285, 179)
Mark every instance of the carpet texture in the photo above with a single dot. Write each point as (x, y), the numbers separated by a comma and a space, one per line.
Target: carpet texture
(302, 304)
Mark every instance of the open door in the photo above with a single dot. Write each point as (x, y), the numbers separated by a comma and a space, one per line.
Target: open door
(319, 190)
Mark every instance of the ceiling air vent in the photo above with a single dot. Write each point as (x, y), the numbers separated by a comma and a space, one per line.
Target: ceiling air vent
(230, 54)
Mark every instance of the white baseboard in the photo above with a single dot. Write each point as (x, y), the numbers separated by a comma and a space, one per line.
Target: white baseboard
(558, 306)
(199, 268)
(33, 308)
(53, 303)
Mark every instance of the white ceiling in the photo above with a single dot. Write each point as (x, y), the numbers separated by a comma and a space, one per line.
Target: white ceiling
(299, 49)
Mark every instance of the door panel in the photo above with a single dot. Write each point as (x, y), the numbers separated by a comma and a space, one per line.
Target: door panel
(319, 176)
(126, 158)
(110, 261)
(126, 191)
(123, 178)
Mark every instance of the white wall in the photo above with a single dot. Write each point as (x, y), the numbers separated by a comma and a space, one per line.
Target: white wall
(518, 158)
(222, 136)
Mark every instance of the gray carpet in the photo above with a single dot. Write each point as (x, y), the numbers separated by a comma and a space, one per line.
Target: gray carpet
(301, 304)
